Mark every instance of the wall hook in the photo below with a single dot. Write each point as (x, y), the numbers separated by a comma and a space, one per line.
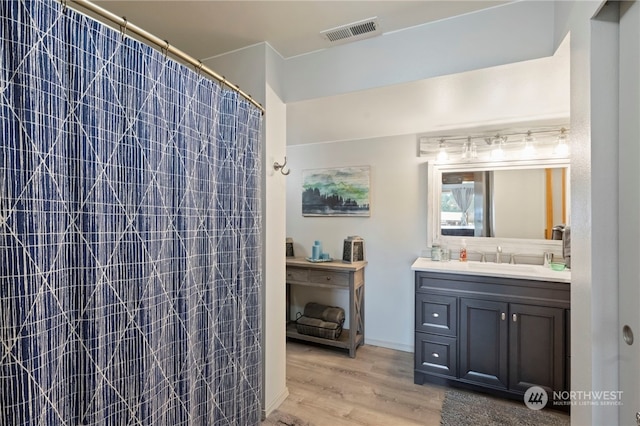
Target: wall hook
(277, 166)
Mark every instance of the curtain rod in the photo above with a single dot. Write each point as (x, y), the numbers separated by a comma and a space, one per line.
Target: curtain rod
(164, 45)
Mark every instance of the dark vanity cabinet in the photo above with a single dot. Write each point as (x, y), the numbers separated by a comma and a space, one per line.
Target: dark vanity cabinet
(497, 334)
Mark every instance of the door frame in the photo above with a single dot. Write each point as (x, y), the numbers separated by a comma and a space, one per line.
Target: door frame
(629, 209)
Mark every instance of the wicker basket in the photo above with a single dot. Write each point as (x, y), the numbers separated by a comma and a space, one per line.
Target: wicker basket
(321, 321)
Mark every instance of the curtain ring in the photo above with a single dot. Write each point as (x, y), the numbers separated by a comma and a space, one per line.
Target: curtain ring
(64, 6)
(123, 28)
(165, 49)
(199, 68)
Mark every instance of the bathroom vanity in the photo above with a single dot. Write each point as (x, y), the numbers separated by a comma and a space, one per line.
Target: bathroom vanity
(496, 328)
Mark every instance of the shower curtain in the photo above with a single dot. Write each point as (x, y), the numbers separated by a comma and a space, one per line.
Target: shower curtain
(130, 232)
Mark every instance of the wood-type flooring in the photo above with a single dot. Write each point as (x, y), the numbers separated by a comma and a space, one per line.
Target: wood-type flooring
(327, 388)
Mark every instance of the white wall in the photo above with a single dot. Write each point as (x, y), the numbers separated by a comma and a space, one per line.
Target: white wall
(274, 228)
(393, 235)
(520, 197)
(513, 206)
(396, 232)
(494, 95)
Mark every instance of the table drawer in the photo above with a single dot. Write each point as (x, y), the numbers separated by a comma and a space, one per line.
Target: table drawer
(340, 279)
(297, 274)
(436, 354)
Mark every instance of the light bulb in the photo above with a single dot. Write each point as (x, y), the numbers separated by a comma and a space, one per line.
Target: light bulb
(442, 155)
(466, 149)
(562, 147)
(497, 153)
(529, 149)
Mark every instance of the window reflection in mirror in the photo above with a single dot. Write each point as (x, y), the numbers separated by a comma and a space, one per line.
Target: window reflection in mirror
(521, 203)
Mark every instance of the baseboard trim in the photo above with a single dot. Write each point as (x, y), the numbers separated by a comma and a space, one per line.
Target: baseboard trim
(275, 403)
(389, 345)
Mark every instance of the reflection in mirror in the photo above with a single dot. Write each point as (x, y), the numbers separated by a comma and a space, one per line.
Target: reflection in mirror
(514, 203)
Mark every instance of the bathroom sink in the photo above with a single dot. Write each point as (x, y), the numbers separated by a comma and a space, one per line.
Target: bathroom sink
(502, 267)
(507, 270)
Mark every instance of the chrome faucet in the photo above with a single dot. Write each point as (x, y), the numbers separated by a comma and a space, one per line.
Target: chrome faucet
(483, 256)
(499, 255)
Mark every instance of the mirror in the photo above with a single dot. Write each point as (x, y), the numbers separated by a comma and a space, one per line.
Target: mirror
(517, 203)
(510, 200)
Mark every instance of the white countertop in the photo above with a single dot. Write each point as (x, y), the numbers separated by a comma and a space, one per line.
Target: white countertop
(505, 270)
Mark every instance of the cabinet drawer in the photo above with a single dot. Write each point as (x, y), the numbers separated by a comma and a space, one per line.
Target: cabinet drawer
(340, 279)
(297, 274)
(436, 354)
(436, 314)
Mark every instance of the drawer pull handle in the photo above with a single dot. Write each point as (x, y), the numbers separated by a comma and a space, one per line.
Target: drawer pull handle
(435, 355)
(435, 315)
(328, 278)
(514, 317)
(503, 316)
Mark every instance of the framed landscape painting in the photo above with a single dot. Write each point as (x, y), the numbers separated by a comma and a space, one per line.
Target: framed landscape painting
(341, 191)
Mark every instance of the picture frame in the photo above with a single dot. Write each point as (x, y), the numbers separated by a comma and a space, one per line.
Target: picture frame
(338, 191)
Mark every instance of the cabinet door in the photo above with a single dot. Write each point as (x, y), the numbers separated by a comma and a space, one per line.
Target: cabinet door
(483, 342)
(536, 352)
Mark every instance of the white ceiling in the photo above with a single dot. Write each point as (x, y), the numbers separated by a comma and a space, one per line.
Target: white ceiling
(208, 28)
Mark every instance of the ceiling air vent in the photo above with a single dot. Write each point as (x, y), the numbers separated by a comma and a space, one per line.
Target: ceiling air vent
(354, 31)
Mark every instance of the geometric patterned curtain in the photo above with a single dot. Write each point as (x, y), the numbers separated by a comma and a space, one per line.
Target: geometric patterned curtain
(130, 232)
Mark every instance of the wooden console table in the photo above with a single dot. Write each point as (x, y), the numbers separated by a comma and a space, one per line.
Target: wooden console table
(334, 275)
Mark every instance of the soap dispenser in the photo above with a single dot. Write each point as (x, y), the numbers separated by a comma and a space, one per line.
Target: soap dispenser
(463, 251)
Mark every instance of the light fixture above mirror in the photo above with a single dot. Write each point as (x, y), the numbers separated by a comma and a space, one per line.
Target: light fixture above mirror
(507, 145)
